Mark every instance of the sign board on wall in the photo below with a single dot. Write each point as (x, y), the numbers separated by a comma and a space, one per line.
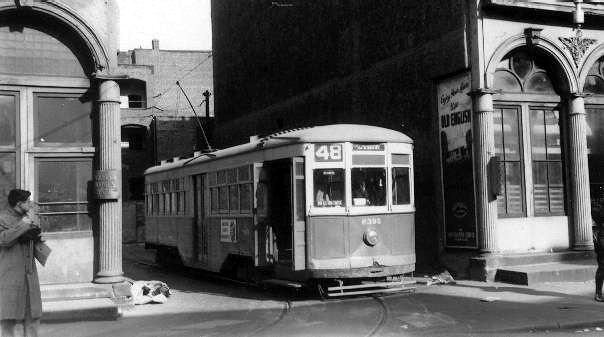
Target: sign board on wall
(455, 121)
(228, 230)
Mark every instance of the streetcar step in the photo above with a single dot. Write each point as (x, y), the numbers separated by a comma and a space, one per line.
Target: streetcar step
(371, 288)
(283, 283)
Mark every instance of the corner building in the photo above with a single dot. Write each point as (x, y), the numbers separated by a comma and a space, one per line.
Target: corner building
(60, 130)
(504, 101)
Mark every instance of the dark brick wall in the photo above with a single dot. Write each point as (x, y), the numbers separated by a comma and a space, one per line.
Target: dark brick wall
(320, 62)
(178, 137)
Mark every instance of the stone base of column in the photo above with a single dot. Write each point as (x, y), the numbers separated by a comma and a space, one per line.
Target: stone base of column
(108, 277)
(584, 246)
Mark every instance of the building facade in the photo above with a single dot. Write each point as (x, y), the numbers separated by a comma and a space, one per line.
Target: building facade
(157, 121)
(502, 98)
(60, 130)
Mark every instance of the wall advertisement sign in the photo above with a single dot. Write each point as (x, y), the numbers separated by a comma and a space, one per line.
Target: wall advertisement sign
(455, 122)
(228, 230)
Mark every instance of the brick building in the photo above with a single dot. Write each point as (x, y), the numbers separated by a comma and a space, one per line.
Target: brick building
(493, 93)
(157, 120)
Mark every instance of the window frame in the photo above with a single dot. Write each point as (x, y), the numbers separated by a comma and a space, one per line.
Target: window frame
(526, 103)
(229, 180)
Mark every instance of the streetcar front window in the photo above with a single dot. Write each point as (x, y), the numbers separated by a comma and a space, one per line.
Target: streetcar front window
(401, 192)
(328, 187)
(368, 186)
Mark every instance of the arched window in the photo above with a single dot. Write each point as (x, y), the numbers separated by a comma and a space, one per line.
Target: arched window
(135, 136)
(519, 72)
(526, 120)
(594, 83)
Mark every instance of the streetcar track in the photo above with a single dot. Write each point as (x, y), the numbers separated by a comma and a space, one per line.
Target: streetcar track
(286, 309)
(383, 316)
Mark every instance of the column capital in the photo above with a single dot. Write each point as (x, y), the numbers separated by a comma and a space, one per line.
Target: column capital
(576, 104)
(482, 100)
(109, 92)
(481, 92)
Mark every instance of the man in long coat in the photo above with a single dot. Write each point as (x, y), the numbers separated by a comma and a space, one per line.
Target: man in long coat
(20, 298)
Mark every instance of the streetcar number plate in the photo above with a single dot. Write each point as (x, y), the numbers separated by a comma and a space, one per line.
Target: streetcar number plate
(328, 152)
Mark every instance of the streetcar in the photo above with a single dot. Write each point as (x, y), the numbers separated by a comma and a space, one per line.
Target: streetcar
(330, 205)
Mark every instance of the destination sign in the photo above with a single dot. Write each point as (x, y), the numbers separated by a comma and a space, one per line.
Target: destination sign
(368, 147)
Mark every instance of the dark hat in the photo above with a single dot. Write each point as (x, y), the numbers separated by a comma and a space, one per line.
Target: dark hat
(16, 195)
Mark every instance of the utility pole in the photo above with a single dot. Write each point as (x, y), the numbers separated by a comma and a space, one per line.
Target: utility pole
(207, 95)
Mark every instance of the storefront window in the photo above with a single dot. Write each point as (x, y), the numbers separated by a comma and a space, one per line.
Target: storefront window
(595, 155)
(507, 148)
(548, 188)
(7, 175)
(328, 187)
(8, 114)
(368, 186)
(62, 121)
(63, 185)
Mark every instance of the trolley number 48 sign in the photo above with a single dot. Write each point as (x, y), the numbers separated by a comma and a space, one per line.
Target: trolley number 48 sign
(328, 152)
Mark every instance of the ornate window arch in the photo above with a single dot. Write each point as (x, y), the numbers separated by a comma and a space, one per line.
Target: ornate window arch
(526, 120)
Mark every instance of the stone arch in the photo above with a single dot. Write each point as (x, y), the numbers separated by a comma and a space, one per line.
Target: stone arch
(76, 24)
(562, 63)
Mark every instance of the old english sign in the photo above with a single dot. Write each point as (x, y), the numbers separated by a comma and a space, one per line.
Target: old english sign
(107, 184)
(455, 122)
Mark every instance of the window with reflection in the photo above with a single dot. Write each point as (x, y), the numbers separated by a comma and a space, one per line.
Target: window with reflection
(62, 120)
(594, 83)
(8, 117)
(507, 148)
(328, 187)
(548, 187)
(519, 71)
(63, 188)
(595, 155)
(401, 192)
(7, 175)
(368, 186)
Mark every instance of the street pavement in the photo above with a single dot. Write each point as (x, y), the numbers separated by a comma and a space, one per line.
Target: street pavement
(204, 306)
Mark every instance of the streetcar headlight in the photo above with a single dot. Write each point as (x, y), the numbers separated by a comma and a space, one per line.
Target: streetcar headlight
(370, 237)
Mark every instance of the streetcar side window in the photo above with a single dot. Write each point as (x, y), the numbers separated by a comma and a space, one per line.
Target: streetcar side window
(401, 192)
(230, 191)
(368, 186)
(328, 187)
(401, 179)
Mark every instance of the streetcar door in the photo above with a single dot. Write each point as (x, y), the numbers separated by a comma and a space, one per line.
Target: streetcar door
(263, 236)
(201, 224)
(298, 214)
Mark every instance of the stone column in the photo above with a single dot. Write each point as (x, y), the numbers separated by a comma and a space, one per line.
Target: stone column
(579, 175)
(484, 149)
(107, 181)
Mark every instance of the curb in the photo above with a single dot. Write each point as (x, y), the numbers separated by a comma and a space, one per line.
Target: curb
(97, 309)
(544, 327)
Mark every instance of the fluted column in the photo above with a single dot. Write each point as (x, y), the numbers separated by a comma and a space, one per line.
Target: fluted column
(108, 184)
(484, 149)
(579, 174)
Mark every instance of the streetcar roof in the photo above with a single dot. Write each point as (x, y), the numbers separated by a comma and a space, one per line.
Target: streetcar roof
(317, 134)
